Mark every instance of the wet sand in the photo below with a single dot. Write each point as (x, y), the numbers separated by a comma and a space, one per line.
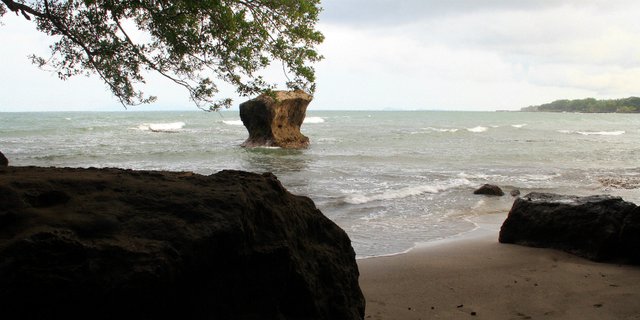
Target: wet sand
(475, 277)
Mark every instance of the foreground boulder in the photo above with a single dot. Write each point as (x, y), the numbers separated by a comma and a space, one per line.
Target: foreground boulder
(118, 244)
(274, 120)
(490, 190)
(3, 160)
(601, 228)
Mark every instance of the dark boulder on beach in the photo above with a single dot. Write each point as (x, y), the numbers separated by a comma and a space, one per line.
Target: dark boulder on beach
(3, 160)
(274, 119)
(600, 228)
(489, 190)
(122, 244)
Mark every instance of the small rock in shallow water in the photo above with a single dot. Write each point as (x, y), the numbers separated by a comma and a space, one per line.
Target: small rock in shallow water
(489, 190)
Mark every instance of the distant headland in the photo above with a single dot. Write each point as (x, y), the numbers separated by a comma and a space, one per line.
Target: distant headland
(589, 105)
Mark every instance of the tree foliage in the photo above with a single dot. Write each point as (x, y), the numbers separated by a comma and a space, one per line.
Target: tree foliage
(590, 105)
(190, 42)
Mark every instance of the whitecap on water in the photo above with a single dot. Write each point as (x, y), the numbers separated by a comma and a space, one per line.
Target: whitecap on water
(477, 129)
(518, 126)
(601, 133)
(313, 120)
(162, 127)
(232, 122)
(594, 133)
(405, 192)
(452, 130)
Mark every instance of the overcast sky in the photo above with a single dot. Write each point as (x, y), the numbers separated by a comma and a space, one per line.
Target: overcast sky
(405, 54)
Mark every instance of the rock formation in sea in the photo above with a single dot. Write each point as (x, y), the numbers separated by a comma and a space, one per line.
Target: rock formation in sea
(3, 160)
(122, 244)
(489, 190)
(274, 119)
(601, 228)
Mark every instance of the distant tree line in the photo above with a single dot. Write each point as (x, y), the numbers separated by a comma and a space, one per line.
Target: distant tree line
(589, 105)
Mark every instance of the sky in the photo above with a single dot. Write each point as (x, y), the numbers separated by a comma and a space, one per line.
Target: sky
(402, 55)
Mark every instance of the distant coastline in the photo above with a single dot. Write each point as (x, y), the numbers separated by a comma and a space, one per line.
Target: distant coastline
(589, 105)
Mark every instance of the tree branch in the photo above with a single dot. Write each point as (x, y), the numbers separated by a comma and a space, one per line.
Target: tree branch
(90, 54)
(23, 8)
(154, 66)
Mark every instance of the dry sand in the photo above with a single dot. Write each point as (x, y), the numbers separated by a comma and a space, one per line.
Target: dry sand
(475, 277)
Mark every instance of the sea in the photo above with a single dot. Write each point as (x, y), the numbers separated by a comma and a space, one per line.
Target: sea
(391, 179)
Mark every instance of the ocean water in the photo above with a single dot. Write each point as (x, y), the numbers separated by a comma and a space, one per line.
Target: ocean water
(391, 179)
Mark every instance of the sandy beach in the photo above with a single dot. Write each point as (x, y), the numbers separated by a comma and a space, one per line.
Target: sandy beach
(475, 277)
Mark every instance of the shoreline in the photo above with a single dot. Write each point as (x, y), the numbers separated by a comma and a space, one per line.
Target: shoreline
(474, 276)
(484, 225)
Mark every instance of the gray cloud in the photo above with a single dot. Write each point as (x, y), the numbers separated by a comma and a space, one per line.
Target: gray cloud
(386, 12)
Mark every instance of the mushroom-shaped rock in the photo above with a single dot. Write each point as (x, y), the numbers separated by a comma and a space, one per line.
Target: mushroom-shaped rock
(274, 119)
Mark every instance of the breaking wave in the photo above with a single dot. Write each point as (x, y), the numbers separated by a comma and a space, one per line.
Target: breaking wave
(233, 122)
(441, 129)
(404, 192)
(601, 133)
(477, 129)
(313, 120)
(594, 133)
(162, 127)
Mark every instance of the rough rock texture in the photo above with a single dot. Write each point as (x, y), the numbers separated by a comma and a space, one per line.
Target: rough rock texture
(515, 192)
(275, 120)
(121, 244)
(601, 228)
(490, 190)
(3, 160)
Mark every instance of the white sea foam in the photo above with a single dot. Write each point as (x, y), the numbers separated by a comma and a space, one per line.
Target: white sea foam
(313, 120)
(404, 192)
(477, 129)
(594, 133)
(162, 127)
(441, 129)
(601, 133)
(232, 122)
(540, 177)
(267, 147)
(482, 176)
(519, 125)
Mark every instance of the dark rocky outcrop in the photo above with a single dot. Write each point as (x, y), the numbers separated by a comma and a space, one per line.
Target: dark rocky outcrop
(601, 228)
(3, 160)
(274, 120)
(121, 244)
(515, 192)
(489, 190)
